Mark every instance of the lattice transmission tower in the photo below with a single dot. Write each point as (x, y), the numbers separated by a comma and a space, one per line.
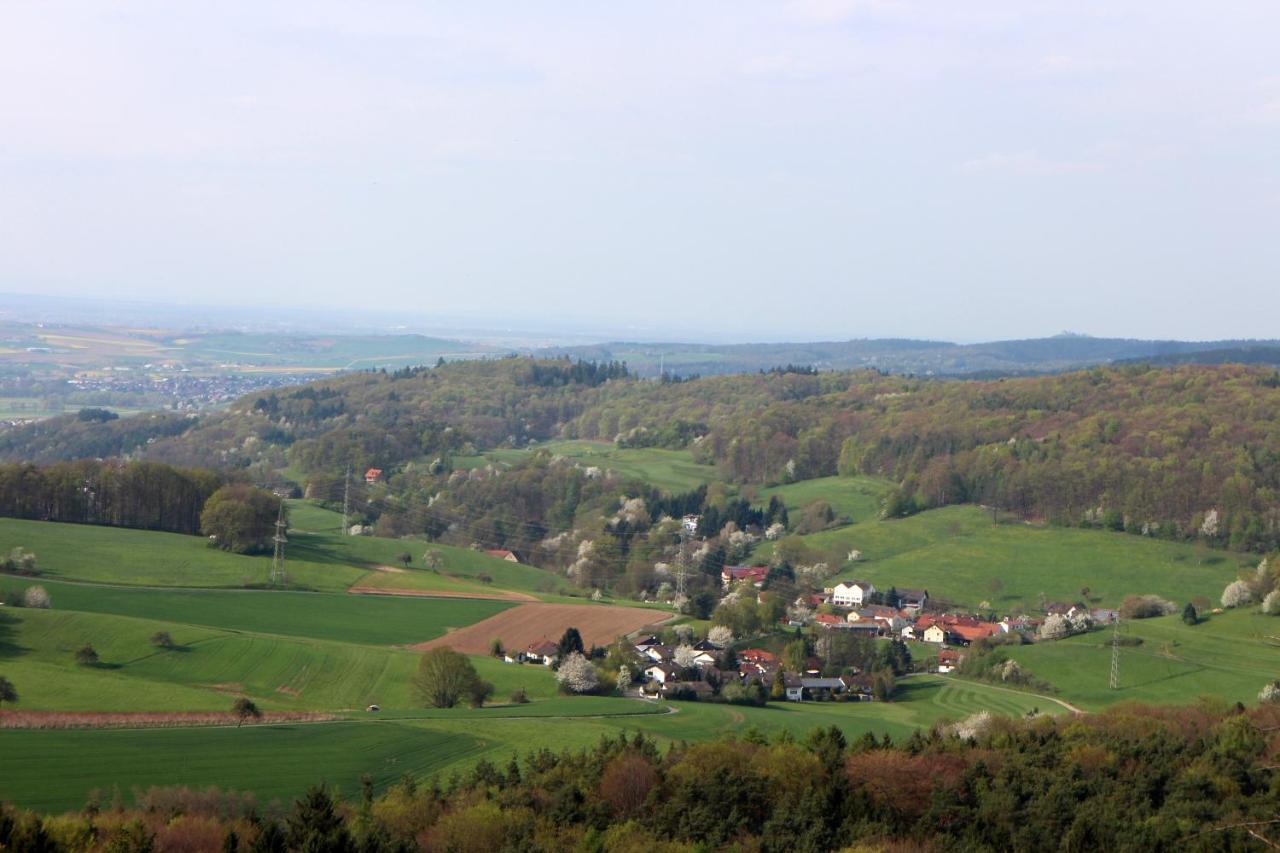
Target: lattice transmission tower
(278, 576)
(1115, 654)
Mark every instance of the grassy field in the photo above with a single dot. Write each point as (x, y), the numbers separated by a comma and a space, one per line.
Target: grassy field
(958, 554)
(669, 470)
(317, 558)
(209, 667)
(149, 558)
(314, 537)
(857, 498)
(57, 770)
(1230, 656)
(375, 620)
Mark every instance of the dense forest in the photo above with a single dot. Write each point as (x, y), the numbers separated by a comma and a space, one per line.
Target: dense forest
(90, 433)
(1196, 778)
(1184, 452)
(145, 495)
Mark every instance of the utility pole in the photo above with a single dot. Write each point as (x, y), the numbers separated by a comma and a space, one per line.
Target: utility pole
(682, 559)
(346, 499)
(277, 560)
(1115, 655)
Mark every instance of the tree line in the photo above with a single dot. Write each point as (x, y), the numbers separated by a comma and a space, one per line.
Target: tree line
(145, 495)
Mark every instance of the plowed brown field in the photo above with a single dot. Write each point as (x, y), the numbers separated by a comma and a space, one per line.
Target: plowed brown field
(529, 623)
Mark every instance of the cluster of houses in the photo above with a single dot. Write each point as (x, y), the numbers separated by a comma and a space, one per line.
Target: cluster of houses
(664, 677)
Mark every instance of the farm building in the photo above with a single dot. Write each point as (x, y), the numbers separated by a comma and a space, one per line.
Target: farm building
(503, 554)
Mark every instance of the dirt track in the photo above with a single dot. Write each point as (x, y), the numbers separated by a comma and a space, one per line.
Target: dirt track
(529, 623)
(437, 593)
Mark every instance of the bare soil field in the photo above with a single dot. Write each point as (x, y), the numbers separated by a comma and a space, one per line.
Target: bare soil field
(529, 623)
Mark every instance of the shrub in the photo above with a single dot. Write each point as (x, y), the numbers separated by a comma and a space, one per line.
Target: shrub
(479, 693)
(1237, 594)
(86, 655)
(1271, 604)
(519, 697)
(245, 709)
(36, 596)
(1146, 607)
(162, 640)
(1270, 693)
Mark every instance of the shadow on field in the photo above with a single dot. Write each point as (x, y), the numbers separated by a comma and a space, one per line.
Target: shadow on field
(9, 648)
(301, 549)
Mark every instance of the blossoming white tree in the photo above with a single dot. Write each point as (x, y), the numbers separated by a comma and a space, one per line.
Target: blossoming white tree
(720, 635)
(684, 656)
(1236, 594)
(577, 675)
(1055, 627)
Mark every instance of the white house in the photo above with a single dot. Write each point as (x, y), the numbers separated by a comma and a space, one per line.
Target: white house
(935, 633)
(661, 672)
(851, 593)
(544, 652)
(705, 659)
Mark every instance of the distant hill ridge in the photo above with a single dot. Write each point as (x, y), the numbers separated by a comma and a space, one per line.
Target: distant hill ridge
(939, 358)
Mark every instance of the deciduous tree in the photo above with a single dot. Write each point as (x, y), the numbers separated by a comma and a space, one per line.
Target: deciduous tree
(444, 677)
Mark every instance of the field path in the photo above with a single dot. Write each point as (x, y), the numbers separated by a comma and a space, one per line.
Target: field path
(526, 624)
(441, 593)
(1062, 702)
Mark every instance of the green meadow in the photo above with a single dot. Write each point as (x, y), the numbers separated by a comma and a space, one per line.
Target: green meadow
(58, 770)
(857, 498)
(365, 619)
(958, 554)
(1229, 656)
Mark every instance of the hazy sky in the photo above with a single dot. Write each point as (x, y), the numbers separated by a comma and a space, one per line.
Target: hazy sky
(826, 168)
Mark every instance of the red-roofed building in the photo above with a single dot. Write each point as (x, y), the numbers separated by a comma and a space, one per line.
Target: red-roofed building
(544, 652)
(755, 575)
(373, 475)
(503, 554)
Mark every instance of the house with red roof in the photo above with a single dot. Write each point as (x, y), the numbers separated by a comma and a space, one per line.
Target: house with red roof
(754, 575)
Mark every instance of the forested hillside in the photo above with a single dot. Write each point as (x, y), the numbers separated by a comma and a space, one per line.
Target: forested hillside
(1188, 451)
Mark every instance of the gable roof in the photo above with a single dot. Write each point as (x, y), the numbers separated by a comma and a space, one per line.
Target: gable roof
(543, 648)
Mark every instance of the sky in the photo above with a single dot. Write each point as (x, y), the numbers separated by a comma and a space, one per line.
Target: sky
(816, 169)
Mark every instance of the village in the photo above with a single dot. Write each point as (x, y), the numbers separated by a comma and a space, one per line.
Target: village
(847, 643)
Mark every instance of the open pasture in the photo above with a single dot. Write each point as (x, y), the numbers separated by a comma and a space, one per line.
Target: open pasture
(857, 498)
(1229, 656)
(315, 537)
(366, 620)
(57, 770)
(117, 555)
(958, 554)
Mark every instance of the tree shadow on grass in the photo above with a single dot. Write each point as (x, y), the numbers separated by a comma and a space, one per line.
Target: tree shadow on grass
(8, 647)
